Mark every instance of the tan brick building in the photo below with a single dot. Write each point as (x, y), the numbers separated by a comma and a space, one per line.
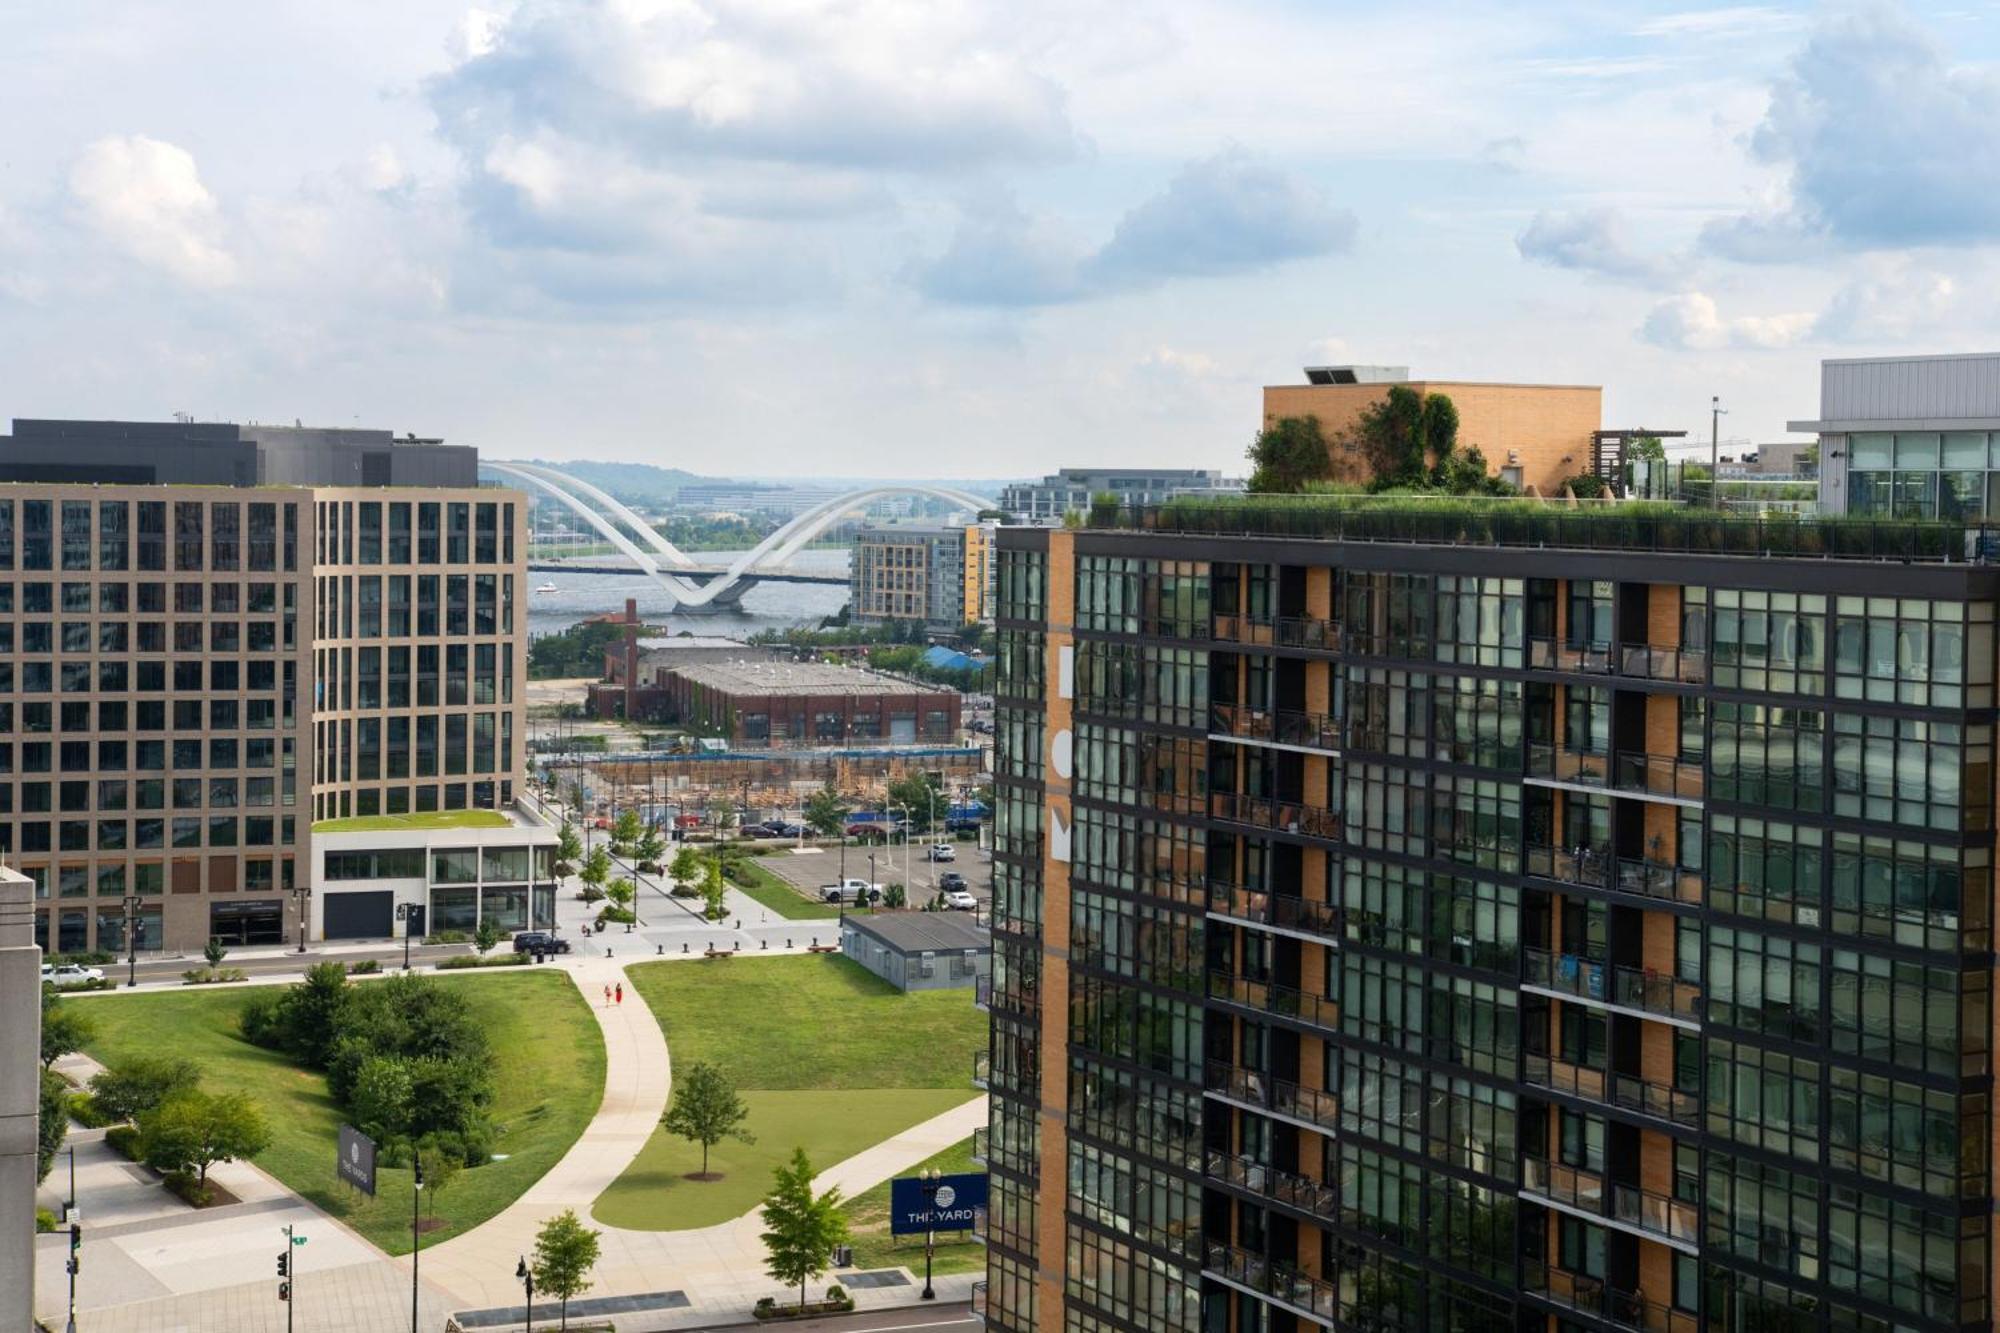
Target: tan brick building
(1532, 434)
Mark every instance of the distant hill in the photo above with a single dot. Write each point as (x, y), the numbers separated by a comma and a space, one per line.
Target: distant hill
(640, 483)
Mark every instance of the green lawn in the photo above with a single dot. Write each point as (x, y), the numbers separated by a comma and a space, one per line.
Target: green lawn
(829, 1057)
(874, 1247)
(429, 819)
(548, 1079)
(655, 1194)
(786, 901)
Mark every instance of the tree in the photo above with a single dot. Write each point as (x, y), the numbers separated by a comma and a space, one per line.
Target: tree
(920, 794)
(706, 1110)
(52, 1123)
(309, 1016)
(215, 951)
(442, 1157)
(625, 830)
(715, 891)
(569, 848)
(1287, 454)
(826, 811)
(596, 869)
(485, 935)
(1648, 449)
(65, 1028)
(1439, 425)
(686, 866)
(380, 1101)
(622, 892)
(650, 848)
(565, 1252)
(802, 1230)
(138, 1083)
(193, 1130)
(721, 812)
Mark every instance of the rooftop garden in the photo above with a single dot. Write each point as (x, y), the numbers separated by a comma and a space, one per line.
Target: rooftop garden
(427, 819)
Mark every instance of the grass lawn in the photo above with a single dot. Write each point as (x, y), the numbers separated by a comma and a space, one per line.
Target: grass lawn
(654, 1194)
(781, 897)
(829, 1057)
(874, 1247)
(429, 819)
(548, 1081)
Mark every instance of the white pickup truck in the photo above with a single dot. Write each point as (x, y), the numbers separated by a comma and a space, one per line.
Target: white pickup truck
(850, 890)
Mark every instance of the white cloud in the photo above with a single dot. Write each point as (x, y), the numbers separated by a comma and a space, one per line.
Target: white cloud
(1730, 21)
(1892, 299)
(1593, 241)
(146, 197)
(1690, 321)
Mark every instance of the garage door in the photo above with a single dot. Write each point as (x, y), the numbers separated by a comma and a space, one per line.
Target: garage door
(903, 730)
(360, 915)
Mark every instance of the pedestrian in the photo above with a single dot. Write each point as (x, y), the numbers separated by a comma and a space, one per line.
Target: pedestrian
(607, 995)
(620, 993)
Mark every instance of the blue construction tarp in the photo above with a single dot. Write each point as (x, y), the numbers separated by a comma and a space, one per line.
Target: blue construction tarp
(947, 659)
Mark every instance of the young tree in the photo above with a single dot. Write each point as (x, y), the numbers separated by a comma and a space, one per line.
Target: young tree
(65, 1028)
(138, 1083)
(649, 849)
(442, 1157)
(565, 1252)
(802, 1230)
(485, 935)
(721, 813)
(596, 869)
(826, 811)
(625, 830)
(194, 1130)
(922, 795)
(1287, 454)
(714, 891)
(569, 849)
(215, 951)
(706, 1110)
(622, 892)
(686, 866)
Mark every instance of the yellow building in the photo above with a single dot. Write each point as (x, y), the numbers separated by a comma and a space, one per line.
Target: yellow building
(936, 576)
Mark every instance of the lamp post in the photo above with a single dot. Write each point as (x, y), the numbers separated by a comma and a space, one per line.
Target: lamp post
(930, 1182)
(302, 895)
(131, 939)
(403, 915)
(527, 1277)
(416, 1235)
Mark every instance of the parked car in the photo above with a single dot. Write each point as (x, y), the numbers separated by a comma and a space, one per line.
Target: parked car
(69, 974)
(957, 824)
(942, 851)
(850, 889)
(540, 941)
(958, 900)
(950, 880)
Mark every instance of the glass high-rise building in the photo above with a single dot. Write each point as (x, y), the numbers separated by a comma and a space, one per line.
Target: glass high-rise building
(1558, 923)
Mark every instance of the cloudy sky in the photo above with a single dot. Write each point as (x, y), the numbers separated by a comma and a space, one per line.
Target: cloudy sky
(970, 237)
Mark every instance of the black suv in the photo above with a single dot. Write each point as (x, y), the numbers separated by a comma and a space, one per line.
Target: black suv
(540, 941)
(950, 880)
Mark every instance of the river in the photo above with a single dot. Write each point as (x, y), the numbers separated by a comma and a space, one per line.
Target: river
(766, 606)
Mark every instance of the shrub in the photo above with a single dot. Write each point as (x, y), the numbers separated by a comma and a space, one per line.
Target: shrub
(209, 976)
(461, 961)
(836, 1292)
(260, 1020)
(85, 1110)
(139, 1083)
(365, 967)
(447, 937)
(123, 1140)
(45, 1221)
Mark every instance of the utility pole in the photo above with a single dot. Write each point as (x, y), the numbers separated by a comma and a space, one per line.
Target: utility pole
(416, 1235)
(1715, 415)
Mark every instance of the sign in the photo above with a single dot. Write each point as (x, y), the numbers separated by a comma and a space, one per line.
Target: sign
(957, 1197)
(356, 1164)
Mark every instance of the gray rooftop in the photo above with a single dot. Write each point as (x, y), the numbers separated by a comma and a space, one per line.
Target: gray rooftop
(778, 677)
(918, 932)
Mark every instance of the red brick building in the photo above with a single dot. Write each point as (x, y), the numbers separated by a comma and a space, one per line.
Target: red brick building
(764, 702)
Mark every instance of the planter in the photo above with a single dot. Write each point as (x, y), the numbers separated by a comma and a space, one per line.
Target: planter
(811, 1310)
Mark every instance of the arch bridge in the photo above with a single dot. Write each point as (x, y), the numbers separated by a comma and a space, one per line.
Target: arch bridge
(693, 585)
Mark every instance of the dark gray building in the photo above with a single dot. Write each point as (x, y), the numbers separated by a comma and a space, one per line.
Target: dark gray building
(191, 453)
(919, 950)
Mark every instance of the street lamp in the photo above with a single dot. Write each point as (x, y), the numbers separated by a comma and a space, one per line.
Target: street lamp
(302, 894)
(930, 1182)
(409, 920)
(416, 1233)
(131, 939)
(527, 1277)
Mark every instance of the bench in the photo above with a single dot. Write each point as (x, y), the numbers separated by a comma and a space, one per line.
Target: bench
(823, 948)
(718, 953)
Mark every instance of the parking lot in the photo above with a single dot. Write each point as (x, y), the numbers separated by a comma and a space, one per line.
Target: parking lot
(809, 869)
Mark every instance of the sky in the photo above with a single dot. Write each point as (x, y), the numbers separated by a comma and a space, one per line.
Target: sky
(938, 237)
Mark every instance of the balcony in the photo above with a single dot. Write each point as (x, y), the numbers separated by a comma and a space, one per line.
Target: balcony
(1268, 997)
(979, 1145)
(1588, 1295)
(1593, 868)
(1254, 1088)
(1607, 984)
(1645, 662)
(1589, 867)
(1628, 1207)
(1286, 1187)
(1622, 1091)
(1627, 773)
(1306, 731)
(982, 1069)
(1656, 879)
(1281, 631)
(1322, 921)
(1555, 655)
(1317, 1300)
(1282, 816)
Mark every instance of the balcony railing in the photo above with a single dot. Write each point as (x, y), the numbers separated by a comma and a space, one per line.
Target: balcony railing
(1629, 987)
(1588, 866)
(979, 1145)
(979, 1301)
(982, 1068)
(1555, 655)
(1590, 1296)
(1634, 774)
(1688, 666)
(1257, 1088)
(1272, 909)
(1623, 1091)
(1271, 998)
(1656, 879)
(1283, 816)
(1281, 1281)
(1591, 867)
(1641, 1209)
(1316, 731)
(1282, 631)
(1286, 1187)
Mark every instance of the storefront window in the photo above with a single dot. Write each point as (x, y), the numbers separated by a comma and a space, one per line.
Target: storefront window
(506, 908)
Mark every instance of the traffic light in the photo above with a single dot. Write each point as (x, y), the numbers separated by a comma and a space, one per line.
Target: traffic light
(75, 1248)
(284, 1291)
(285, 1263)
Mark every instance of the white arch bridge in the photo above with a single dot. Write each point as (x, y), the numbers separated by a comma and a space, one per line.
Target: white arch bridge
(693, 585)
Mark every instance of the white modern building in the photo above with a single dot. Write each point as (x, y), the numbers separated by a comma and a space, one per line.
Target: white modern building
(1909, 436)
(1072, 489)
(366, 879)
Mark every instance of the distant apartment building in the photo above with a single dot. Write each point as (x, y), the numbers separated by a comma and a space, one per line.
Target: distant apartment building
(1531, 434)
(755, 702)
(212, 636)
(1071, 489)
(743, 497)
(1909, 436)
(935, 576)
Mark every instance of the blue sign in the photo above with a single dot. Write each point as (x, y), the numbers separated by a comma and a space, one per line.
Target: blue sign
(957, 1196)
